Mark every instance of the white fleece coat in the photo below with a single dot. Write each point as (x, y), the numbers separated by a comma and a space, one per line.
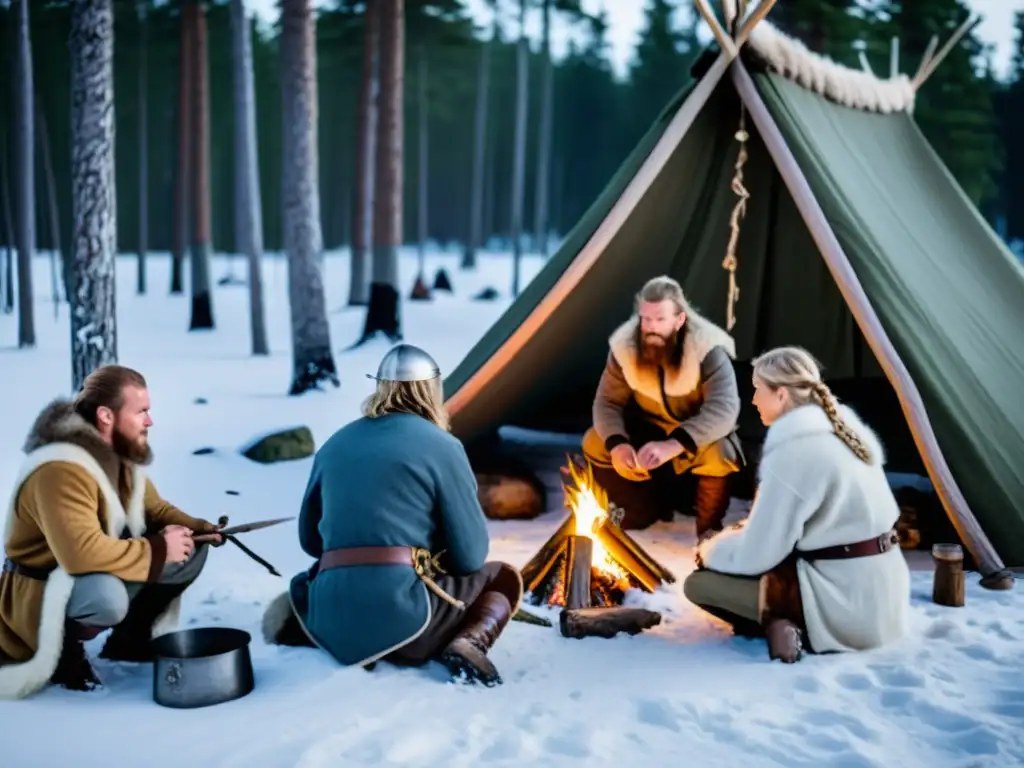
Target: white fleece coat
(814, 492)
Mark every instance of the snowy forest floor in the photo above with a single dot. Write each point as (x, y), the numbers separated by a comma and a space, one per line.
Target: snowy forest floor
(951, 694)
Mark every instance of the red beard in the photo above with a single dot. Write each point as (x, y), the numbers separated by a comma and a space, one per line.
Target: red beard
(133, 451)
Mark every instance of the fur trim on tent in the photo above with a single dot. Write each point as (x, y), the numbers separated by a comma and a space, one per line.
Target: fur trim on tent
(849, 87)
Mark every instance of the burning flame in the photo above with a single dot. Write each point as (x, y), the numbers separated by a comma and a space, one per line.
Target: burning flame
(588, 503)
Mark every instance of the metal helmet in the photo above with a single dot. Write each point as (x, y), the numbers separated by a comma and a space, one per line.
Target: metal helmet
(406, 363)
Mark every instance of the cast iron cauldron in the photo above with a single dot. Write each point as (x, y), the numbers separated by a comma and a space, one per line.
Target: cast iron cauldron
(199, 667)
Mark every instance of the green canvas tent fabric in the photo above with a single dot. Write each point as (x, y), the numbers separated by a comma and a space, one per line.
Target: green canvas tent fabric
(949, 294)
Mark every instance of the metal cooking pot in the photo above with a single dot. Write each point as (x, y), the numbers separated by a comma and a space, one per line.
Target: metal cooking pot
(201, 667)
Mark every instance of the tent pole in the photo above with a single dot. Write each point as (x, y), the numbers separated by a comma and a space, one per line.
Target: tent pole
(994, 573)
(598, 242)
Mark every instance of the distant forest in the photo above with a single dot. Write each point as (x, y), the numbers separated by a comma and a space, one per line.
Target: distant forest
(596, 119)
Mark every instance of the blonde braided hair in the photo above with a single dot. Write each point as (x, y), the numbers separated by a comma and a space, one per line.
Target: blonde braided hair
(795, 369)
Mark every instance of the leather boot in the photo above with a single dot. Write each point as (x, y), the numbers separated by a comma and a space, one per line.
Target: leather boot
(466, 655)
(292, 634)
(131, 640)
(710, 505)
(784, 641)
(74, 671)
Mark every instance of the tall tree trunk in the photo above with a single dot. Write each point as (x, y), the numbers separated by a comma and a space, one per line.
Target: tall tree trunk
(476, 198)
(93, 310)
(540, 221)
(383, 315)
(143, 129)
(183, 172)
(51, 204)
(423, 152)
(199, 277)
(249, 219)
(519, 156)
(7, 299)
(25, 224)
(366, 142)
(312, 359)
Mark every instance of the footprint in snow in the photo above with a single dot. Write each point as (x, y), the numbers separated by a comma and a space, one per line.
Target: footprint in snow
(657, 713)
(978, 652)
(855, 681)
(896, 677)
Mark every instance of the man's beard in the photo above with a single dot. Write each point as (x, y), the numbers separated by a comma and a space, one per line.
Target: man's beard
(658, 354)
(133, 451)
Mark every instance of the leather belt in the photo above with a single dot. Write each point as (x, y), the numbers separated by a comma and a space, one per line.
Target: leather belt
(353, 556)
(417, 558)
(876, 546)
(38, 574)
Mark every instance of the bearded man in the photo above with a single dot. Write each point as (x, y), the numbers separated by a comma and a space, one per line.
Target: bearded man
(89, 542)
(667, 404)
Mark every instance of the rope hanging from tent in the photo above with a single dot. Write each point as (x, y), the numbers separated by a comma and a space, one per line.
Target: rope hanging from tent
(738, 212)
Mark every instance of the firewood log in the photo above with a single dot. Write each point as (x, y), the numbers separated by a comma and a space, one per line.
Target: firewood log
(535, 570)
(639, 553)
(607, 533)
(578, 559)
(606, 622)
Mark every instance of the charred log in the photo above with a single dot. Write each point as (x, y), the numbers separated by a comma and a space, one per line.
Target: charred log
(539, 566)
(606, 622)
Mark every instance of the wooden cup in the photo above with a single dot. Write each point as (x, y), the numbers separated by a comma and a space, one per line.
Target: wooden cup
(948, 584)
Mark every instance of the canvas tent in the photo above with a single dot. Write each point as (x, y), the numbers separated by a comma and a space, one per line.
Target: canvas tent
(856, 243)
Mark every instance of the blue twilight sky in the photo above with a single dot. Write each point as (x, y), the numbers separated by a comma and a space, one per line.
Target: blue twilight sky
(626, 18)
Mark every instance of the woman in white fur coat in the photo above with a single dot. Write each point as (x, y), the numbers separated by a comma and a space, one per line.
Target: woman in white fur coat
(817, 565)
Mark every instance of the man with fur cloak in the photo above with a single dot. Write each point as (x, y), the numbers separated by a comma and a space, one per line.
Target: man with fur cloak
(89, 543)
(667, 404)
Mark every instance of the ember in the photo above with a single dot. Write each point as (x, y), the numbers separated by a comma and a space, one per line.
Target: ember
(589, 561)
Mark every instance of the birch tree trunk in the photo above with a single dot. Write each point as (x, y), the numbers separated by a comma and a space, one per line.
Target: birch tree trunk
(366, 143)
(382, 314)
(249, 217)
(143, 129)
(199, 277)
(312, 359)
(543, 180)
(519, 156)
(93, 310)
(183, 171)
(476, 197)
(24, 151)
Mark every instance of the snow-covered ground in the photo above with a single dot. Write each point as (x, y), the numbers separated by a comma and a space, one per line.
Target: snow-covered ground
(686, 692)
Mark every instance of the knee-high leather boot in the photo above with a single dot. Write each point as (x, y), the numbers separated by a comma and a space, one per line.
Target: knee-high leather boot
(466, 655)
(710, 504)
(74, 671)
(131, 640)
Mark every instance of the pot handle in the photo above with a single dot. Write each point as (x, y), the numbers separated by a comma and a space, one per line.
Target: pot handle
(173, 675)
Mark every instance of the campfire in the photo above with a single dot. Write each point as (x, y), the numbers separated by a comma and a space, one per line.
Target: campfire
(589, 564)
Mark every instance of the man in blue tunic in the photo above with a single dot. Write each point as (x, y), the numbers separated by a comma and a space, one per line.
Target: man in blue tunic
(392, 517)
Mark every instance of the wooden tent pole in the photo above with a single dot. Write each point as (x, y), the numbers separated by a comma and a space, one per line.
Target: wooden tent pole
(927, 57)
(970, 23)
(755, 18)
(725, 42)
(995, 574)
